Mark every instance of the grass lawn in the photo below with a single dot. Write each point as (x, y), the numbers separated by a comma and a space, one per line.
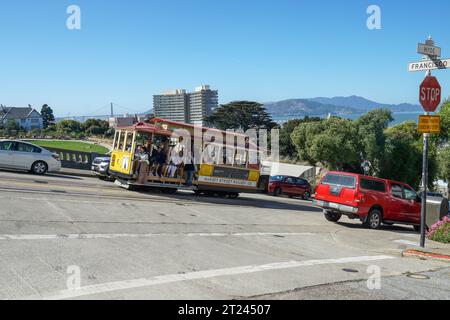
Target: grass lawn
(71, 145)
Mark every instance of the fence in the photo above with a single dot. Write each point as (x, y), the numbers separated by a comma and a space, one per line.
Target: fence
(75, 159)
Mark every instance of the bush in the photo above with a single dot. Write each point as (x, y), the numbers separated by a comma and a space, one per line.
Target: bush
(440, 231)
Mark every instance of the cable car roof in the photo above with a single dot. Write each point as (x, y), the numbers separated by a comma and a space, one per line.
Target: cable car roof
(146, 128)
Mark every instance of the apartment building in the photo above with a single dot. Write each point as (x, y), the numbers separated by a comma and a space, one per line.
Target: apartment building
(178, 105)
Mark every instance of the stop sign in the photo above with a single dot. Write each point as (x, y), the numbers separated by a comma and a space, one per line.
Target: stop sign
(430, 94)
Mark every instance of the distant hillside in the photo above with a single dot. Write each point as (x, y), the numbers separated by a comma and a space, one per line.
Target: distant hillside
(363, 104)
(304, 107)
(335, 106)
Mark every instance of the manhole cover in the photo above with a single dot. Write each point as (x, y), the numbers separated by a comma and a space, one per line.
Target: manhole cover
(350, 270)
(418, 276)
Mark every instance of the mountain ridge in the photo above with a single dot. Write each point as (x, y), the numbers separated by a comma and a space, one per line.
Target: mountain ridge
(335, 105)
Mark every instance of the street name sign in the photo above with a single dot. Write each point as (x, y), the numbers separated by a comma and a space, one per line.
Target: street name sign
(428, 50)
(429, 124)
(426, 65)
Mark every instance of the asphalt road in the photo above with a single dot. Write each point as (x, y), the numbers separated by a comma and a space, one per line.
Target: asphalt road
(82, 238)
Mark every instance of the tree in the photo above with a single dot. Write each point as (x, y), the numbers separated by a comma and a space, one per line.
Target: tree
(12, 128)
(331, 142)
(95, 127)
(444, 164)
(403, 156)
(241, 115)
(287, 148)
(372, 139)
(47, 116)
(444, 112)
(70, 127)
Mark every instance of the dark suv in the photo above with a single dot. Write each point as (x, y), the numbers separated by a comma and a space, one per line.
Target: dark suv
(290, 186)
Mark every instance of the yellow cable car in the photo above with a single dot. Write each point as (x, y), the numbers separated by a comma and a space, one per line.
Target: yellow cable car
(153, 154)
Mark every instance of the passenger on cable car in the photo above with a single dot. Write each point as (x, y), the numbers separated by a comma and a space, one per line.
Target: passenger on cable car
(160, 160)
(141, 158)
(189, 168)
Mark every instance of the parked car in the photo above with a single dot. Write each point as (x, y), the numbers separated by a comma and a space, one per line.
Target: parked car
(100, 167)
(21, 155)
(374, 201)
(432, 194)
(290, 186)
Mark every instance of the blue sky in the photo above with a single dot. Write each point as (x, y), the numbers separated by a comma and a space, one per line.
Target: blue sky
(126, 51)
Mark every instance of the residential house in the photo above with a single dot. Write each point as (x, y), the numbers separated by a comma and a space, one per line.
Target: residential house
(28, 118)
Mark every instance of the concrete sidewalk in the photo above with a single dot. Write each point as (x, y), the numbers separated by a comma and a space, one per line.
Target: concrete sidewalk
(433, 250)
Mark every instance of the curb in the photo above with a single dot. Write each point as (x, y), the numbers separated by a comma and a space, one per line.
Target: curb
(426, 255)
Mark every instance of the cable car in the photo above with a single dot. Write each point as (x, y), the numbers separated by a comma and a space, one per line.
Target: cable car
(219, 166)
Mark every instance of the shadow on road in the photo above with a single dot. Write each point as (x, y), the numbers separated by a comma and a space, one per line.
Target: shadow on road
(262, 201)
(393, 228)
(28, 174)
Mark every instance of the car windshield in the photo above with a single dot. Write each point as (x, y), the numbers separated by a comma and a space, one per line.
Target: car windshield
(340, 180)
(276, 178)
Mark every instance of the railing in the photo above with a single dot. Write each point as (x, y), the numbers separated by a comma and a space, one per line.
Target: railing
(75, 159)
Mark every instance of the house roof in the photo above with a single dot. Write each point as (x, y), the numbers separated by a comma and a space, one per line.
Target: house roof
(17, 113)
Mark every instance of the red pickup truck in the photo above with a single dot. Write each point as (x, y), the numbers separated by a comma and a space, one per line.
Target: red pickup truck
(374, 201)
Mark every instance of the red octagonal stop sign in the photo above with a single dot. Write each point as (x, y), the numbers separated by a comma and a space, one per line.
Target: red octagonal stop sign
(430, 94)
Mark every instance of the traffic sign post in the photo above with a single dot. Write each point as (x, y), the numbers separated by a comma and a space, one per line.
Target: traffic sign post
(430, 98)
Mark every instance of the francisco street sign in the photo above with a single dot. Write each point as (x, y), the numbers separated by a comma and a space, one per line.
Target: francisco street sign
(429, 65)
(429, 124)
(430, 94)
(428, 50)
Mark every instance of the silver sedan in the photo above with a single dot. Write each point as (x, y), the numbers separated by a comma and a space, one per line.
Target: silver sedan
(20, 155)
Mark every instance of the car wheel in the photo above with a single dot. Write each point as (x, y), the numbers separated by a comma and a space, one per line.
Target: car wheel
(332, 216)
(39, 167)
(306, 195)
(374, 220)
(277, 192)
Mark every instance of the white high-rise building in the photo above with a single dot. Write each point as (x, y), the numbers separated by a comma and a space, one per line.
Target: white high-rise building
(177, 105)
(202, 102)
(172, 105)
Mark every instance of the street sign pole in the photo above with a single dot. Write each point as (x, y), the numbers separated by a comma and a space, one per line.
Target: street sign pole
(423, 216)
(425, 189)
(430, 97)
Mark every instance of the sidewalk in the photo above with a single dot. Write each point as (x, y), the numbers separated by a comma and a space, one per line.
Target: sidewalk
(432, 250)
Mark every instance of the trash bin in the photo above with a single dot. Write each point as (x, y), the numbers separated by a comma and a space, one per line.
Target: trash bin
(437, 208)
